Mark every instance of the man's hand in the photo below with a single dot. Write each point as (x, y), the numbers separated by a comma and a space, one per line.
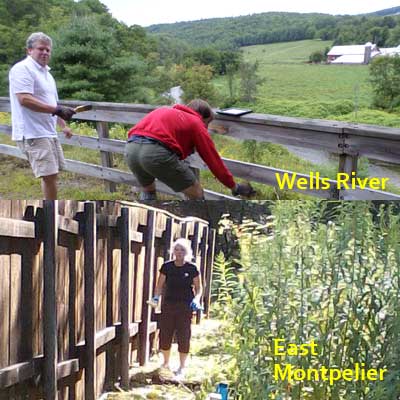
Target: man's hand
(243, 189)
(67, 132)
(63, 112)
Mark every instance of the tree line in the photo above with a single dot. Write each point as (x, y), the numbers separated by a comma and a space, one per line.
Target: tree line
(274, 27)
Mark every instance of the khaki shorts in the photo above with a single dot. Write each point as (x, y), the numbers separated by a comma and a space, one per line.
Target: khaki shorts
(44, 154)
(148, 161)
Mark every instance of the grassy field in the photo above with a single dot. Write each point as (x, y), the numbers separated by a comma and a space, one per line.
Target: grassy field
(288, 76)
(296, 88)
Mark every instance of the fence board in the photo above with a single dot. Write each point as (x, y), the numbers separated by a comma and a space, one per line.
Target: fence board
(210, 261)
(5, 281)
(203, 265)
(50, 307)
(125, 284)
(90, 300)
(144, 339)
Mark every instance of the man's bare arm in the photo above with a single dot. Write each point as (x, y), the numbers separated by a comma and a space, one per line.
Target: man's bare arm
(29, 101)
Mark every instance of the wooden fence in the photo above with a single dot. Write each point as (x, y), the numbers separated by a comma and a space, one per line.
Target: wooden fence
(348, 141)
(74, 281)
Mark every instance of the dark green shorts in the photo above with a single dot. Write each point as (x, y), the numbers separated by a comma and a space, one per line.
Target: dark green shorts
(148, 161)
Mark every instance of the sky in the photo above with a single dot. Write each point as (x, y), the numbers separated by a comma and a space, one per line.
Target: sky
(148, 12)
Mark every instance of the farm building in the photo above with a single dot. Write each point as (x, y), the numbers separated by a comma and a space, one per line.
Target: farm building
(353, 54)
(390, 51)
(359, 54)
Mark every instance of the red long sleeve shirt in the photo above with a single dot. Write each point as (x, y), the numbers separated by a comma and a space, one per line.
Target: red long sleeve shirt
(182, 130)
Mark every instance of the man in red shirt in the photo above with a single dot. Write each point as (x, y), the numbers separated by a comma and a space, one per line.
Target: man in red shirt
(159, 143)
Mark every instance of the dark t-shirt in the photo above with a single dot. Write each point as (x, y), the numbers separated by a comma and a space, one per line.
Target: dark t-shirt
(179, 281)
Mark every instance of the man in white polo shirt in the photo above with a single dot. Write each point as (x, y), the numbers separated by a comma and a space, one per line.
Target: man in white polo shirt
(35, 113)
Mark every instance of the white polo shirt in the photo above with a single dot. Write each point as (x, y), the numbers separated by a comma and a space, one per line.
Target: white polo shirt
(28, 76)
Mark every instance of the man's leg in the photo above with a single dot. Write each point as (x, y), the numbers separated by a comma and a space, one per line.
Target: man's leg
(49, 187)
(194, 192)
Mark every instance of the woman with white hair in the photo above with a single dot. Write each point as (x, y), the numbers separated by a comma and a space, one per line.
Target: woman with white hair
(179, 283)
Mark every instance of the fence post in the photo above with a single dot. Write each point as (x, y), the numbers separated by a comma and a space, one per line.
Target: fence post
(50, 232)
(209, 270)
(106, 157)
(89, 237)
(144, 340)
(195, 239)
(184, 230)
(203, 266)
(125, 225)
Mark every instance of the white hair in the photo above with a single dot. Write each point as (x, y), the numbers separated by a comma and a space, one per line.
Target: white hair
(186, 245)
(38, 37)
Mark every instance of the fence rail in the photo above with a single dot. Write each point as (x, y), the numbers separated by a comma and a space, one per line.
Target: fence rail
(74, 281)
(347, 141)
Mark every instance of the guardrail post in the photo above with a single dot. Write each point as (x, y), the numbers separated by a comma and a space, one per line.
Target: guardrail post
(348, 163)
(106, 157)
(50, 232)
(347, 159)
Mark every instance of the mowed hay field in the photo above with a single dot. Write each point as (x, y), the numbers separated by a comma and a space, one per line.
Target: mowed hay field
(289, 76)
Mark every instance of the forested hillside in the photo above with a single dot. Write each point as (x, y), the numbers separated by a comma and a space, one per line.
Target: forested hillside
(275, 27)
(387, 11)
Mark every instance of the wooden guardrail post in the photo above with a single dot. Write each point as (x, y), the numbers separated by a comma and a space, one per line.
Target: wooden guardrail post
(50, 232)
(125, 224)
(149, 238)
(348, 159)
(89, 237)
(348, 163)
(106, 157)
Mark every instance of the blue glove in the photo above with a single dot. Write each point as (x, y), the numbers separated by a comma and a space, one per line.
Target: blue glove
(154, 301)
(195, 305)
